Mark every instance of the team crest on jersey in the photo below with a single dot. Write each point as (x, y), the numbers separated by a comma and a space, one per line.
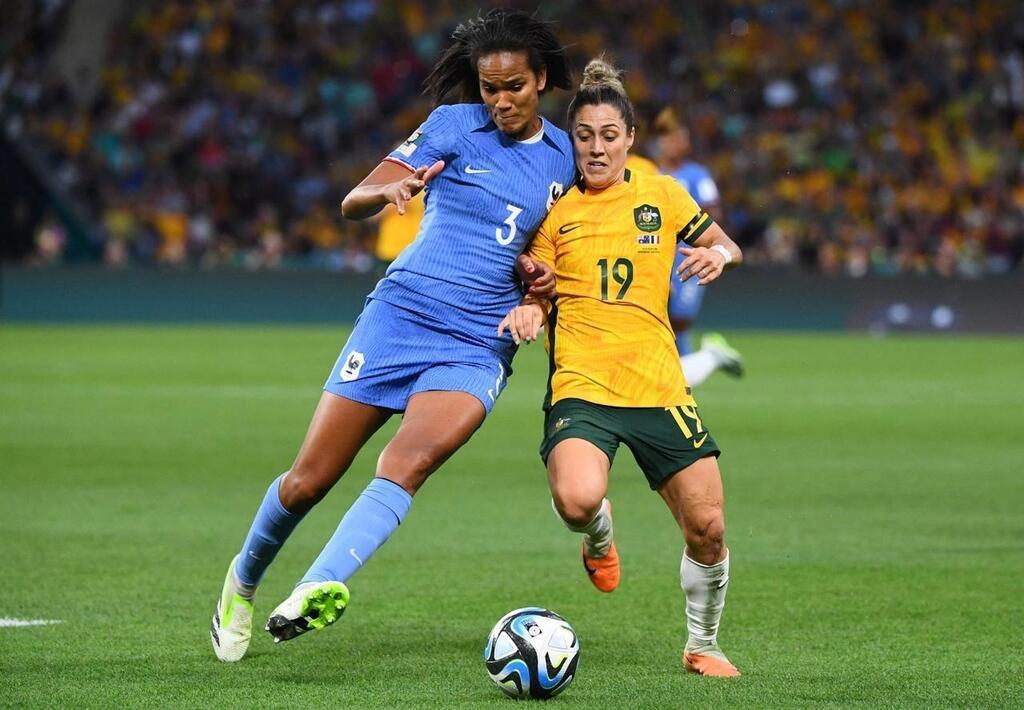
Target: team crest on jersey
(411, 143)
(353, 364)
(647, 218)
(555, 191)
(648, 243)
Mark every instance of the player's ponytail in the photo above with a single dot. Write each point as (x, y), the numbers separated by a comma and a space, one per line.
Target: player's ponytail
(499, 30)
(602, 85)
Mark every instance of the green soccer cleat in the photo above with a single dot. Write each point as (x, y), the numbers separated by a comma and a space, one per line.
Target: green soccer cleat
(312, 606)
(231, 629)
(728, 357)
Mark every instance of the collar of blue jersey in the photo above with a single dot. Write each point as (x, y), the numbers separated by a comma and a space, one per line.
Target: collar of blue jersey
(582, 186)
(492, 126)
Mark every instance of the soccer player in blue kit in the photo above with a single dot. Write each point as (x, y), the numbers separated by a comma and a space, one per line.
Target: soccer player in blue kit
(425, 343)
(686, 296)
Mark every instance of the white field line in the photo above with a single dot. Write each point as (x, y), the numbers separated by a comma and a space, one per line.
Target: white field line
(8, 622)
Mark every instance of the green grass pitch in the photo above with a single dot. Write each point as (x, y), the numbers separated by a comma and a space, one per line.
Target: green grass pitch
(875, 513)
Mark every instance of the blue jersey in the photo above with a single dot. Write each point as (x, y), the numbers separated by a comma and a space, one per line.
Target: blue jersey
(685, 297)
(698, 182)
(480, 213)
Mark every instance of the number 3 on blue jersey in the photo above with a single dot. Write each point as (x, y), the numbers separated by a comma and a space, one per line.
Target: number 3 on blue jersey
(511, 222)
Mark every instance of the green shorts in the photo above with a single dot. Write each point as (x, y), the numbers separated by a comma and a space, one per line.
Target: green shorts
(663, 440)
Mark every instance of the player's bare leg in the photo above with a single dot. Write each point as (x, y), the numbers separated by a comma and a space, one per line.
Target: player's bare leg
(578, 477)
(339, 429)
(434, 426)
(696, 499)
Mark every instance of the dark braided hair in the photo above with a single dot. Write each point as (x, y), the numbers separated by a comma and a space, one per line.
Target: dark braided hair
(601, 85)
(497, 31)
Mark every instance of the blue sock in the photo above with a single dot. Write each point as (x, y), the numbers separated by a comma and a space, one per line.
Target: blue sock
(272, 526)
(370, 521)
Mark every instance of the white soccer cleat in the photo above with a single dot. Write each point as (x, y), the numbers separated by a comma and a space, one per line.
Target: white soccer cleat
(312, 606)
(727, 357)
(232, 621)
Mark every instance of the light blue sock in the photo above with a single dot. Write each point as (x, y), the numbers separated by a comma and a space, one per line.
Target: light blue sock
(370, 521)
(272, 526)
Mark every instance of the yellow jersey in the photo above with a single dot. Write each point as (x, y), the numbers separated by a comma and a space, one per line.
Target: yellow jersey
(609, 337)
(398, 231)
(639, 164)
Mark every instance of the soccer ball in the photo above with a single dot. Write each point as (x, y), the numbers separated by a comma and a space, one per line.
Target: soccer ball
(532, 653)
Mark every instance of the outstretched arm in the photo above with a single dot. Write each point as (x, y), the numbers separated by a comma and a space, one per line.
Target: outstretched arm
(712, 253)
(388, 182)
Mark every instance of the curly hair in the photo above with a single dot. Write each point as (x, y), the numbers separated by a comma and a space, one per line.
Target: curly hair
(499, 30)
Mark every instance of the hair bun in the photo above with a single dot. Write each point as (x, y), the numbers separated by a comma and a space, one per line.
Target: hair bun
(599, 73)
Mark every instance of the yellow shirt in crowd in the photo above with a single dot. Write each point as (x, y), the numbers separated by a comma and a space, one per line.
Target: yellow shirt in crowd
(639, 164)
(398, 231)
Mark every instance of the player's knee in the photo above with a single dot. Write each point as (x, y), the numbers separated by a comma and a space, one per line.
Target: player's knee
(302, 488)
(705, 537)
(408, 467)
(574, 509)
(575, 514)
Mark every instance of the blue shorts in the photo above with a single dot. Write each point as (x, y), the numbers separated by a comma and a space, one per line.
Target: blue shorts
(393, 353)
(685, 298)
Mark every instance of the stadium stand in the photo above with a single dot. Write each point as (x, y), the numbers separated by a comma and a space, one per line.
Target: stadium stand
(847, 137)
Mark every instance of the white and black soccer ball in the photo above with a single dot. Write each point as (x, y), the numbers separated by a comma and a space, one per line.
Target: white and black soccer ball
(532, 653)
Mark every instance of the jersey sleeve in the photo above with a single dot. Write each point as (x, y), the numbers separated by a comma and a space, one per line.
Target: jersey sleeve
(431, 142)
(689, 221)
(542, 248)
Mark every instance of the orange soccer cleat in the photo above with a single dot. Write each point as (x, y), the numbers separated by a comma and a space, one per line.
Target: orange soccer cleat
(711, 663)
(604, 572)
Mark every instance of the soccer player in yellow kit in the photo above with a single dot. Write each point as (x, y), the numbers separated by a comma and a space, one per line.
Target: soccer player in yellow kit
(396, 231)
(615, 375)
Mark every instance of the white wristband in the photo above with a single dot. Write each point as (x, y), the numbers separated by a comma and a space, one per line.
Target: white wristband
(724, 252)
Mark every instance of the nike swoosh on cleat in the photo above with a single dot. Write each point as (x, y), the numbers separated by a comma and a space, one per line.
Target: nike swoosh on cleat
(566, 228)
(475, 171)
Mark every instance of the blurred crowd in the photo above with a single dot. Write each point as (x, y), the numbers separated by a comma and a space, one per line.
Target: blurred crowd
(851, 137)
